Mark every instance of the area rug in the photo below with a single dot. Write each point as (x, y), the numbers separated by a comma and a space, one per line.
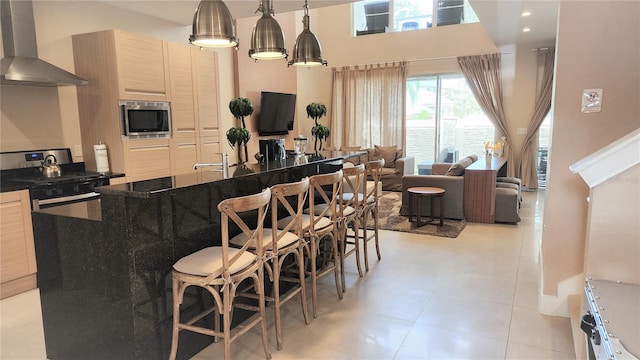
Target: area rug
(389, 218)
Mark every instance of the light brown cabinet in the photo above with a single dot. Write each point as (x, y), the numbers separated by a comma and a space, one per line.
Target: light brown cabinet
(141, 67)
(184, 153)
(17, 251)
(205, 66)
(125, 66)
(147, 159)
(194, 107)
(183, 114)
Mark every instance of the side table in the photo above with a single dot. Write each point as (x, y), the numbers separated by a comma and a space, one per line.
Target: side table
(419, 193)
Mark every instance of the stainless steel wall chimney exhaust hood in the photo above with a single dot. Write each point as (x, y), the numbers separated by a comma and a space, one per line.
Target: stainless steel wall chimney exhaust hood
(20, 64)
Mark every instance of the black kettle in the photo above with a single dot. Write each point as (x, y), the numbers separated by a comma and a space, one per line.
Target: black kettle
(50, 168)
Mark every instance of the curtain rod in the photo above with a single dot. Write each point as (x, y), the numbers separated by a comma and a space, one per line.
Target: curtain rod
(417, 60)
(452, 57)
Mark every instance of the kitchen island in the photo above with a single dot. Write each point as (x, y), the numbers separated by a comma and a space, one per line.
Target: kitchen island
(104, 266)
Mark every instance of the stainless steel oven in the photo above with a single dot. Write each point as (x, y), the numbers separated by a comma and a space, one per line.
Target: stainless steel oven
(74, 184)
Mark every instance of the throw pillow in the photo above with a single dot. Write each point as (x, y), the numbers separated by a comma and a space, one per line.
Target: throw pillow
(388, 153)
(456, 169)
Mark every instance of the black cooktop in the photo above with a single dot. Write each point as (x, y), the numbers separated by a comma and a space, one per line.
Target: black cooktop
(64, 178)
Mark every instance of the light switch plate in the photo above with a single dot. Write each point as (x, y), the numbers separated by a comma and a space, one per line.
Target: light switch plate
(591, 100)
(522, 131)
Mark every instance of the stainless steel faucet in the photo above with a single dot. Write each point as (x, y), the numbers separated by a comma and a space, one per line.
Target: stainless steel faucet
(224, 165)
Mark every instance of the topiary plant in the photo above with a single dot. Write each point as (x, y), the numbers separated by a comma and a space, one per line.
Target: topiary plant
(240, 108)
(239, 136)
(320, 132)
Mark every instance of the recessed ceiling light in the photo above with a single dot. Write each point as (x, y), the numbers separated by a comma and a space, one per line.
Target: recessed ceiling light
(526, 29)
(526, 13)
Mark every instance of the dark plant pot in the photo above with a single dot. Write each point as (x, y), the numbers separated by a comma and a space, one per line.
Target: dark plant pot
(315, 156)
(241, 170)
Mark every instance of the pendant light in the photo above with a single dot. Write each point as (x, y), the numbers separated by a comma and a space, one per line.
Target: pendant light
(307, 50)
(267, 39)
(213, 26)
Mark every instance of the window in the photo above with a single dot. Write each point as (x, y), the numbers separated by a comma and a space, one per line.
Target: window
(444, 121)
(374, 16)
(544, 140)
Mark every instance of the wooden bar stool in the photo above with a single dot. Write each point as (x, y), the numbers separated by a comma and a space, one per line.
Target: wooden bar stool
(321, 226)
(370, 208)
(220, 269)
(279, 244)
(349, 215)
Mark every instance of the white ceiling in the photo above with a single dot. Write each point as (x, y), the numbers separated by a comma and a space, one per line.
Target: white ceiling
(501, 18)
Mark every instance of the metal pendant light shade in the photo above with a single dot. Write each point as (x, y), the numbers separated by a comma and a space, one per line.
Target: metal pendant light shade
(267, 39)
(307, 51)
(213, 25)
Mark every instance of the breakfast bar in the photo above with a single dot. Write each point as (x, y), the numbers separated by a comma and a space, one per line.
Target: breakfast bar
(104, 266)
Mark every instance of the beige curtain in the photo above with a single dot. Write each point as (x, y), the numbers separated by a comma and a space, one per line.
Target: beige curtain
(368, 105)
(482, 73)
(527, 170)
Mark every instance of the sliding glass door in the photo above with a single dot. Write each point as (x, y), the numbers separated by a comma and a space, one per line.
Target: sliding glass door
(444, 121)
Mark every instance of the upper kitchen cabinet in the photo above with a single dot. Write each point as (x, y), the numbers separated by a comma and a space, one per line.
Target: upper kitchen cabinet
(205, 67)
(125, 66)
(181, 80)
(193, 83)
(141, 67)
(131, 64)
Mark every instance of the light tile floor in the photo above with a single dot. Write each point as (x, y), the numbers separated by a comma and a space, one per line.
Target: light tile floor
(472, 297)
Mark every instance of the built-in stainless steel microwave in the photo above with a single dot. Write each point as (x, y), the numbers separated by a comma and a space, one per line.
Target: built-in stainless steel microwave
(144, 119)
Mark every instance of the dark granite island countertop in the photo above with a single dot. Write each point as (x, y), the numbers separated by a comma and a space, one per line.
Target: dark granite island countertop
(104, 266)
(265, 172)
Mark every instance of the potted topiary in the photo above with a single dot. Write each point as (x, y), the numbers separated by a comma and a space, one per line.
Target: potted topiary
(320, 132)
(240, 136)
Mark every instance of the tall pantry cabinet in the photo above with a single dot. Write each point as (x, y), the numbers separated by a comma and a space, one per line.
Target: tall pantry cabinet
(125, 66)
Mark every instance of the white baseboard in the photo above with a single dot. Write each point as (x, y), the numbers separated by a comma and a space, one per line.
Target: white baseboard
(559, 305)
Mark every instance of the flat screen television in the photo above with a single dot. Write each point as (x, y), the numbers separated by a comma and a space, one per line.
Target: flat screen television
(276, 113)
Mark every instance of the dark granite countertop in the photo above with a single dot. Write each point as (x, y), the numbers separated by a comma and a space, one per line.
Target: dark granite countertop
(6, 186)
(155, 187)
(89, 210)
(9, 179)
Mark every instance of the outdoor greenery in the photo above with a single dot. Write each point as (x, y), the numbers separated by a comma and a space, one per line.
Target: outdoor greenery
(458, 123)
(421, 96)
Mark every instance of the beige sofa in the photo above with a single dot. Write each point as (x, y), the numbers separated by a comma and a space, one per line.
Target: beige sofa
(449, 177)
(396, 165)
